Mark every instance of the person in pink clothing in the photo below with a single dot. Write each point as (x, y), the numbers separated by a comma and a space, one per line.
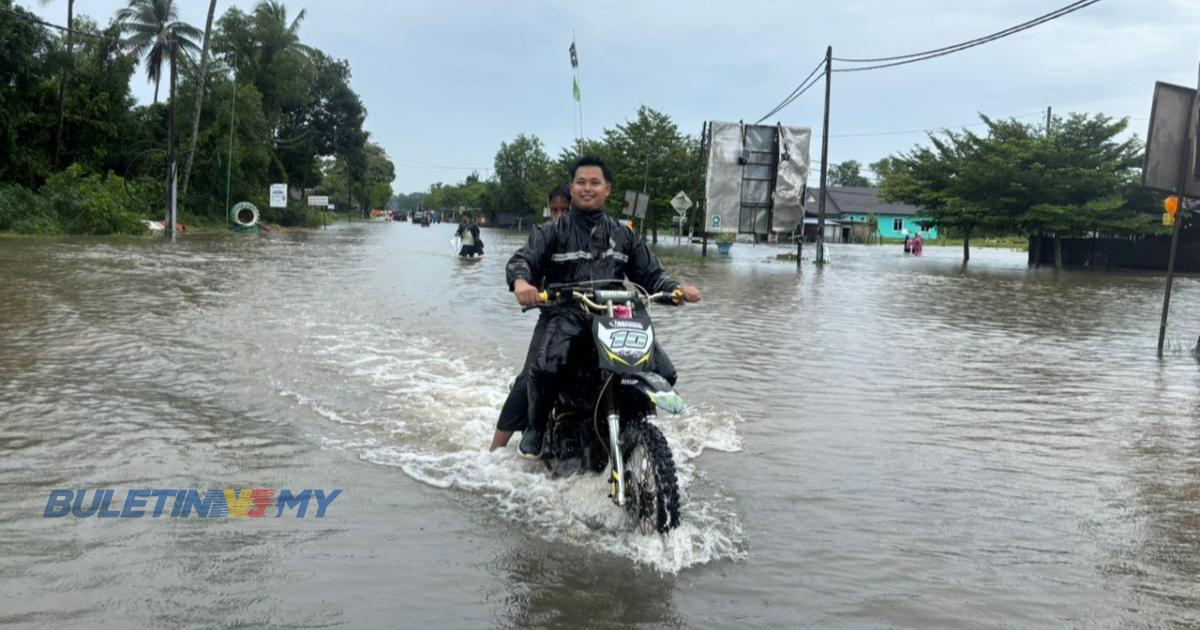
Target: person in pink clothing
(916, 244)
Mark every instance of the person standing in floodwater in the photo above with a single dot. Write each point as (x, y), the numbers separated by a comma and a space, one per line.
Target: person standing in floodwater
(469, 233)
(907, 244)
(917, 245)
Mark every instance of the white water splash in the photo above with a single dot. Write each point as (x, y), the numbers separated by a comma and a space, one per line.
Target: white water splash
(436, 418)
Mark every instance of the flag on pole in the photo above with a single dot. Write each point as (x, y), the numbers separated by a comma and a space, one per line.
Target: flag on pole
(574, 57)
(575, 88)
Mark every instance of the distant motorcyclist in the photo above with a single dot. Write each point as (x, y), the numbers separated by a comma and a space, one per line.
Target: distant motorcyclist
(586, 245)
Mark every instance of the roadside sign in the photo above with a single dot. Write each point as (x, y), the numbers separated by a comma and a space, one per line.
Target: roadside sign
(318, 200)
(630, 202)
(681, 203)
(278, 195)
(643, 202)
(1167, 142)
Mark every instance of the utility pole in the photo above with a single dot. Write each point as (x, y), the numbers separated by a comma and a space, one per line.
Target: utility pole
(649, 212)
(232, 118)
(1189, 135)
(824, 164)
(1035, 250)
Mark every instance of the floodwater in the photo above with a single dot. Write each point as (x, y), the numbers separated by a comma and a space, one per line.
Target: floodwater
(888, 441)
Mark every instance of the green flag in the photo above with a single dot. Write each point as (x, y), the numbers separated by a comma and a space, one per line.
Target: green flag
(575, 88)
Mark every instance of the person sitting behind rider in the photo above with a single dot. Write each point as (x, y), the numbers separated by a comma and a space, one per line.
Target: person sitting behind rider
(586, 245)
(514, 415)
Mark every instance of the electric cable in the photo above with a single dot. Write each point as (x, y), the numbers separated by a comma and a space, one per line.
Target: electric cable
(31, 18)
(900, 60)
(796, 93)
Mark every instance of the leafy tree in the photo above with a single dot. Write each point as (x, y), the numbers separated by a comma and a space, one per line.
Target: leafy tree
(280, 113)
(523, 175)
(406, 201)
(379, 176)
(847, 174)
(200, 81)
(153, 30)
(25, 156)
(1016, 179)
(881, 168)
(98, 125)
(1085, 179)
(66, 77)
(649, 153)
(938, 180)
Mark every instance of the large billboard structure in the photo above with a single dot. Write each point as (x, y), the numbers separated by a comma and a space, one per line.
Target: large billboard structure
(756, 178)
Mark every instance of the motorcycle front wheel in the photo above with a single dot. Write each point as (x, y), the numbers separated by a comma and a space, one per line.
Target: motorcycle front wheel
(651, 489)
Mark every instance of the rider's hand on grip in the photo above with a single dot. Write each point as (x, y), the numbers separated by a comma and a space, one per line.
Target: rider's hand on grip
(685, 293)
(527, 294)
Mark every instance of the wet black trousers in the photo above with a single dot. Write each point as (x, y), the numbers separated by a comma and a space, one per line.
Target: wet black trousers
(550, 350)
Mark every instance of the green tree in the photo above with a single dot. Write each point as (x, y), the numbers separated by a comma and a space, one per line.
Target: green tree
(25, 157)
(200, 85)
(847, 173)
(649, 154)
(153, 31)
(98, 126)
(379, 175)
(1086, 179)
(66, 77)
(406, 201)
(523, 175)
(881, 168)
(938, 179)
(1016, 179)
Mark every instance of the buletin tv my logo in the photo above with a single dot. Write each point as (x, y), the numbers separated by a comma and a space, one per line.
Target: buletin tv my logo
(234, 503)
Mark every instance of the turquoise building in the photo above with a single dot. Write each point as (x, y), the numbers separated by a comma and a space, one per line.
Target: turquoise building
(848, 208)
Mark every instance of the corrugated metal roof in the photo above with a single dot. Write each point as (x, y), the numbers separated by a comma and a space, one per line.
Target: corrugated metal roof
(856, 200)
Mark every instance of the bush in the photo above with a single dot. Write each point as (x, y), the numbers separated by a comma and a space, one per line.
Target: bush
(25, 212)
(96, 205)
(74, 203)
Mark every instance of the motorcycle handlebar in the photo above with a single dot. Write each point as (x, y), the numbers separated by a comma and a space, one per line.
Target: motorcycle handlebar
(585, 297)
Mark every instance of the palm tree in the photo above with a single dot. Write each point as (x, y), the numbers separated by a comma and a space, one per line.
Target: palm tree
(277, 38)
(284, 36)
(200, 80)
(66, 76)
(153, 31)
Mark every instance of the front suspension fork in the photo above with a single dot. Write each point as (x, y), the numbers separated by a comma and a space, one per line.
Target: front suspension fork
(616, 483)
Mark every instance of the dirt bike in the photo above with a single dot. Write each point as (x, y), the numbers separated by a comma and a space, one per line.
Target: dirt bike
(604, 415)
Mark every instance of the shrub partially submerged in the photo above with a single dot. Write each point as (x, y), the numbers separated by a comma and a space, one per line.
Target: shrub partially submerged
(74, 203)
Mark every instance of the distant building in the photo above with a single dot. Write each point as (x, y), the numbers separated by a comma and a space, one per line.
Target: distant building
(848, 208)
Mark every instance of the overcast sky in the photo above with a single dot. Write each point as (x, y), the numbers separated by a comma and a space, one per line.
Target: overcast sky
(445, 83)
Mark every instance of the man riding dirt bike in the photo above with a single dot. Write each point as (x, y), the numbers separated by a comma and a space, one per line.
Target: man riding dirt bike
(583, 248)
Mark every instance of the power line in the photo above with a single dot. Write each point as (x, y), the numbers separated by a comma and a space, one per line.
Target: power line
(932, 129)
(979, 41)
(796, 93)
(1008, 31)
(30, 18)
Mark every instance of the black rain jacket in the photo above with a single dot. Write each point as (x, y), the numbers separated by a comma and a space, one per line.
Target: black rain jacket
(587, 245)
